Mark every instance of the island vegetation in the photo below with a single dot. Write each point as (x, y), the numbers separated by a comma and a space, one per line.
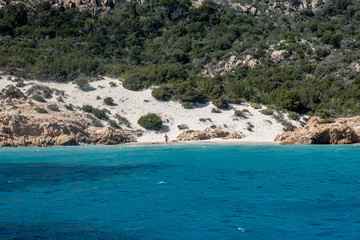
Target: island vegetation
(169, 44)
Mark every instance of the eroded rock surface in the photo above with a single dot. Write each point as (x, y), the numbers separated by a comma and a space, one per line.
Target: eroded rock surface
(209, 133)
(342, 131)
(21, 125)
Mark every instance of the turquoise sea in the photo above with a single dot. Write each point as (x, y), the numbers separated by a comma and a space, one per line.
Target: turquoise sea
(180, 192)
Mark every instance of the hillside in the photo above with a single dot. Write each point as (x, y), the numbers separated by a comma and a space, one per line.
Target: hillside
(296, 55)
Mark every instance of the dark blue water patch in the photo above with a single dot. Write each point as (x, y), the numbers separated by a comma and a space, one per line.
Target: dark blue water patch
(19, 175)
(61, 231)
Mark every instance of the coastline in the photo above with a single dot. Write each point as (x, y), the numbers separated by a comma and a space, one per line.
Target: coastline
(212, 142)
(245, 121)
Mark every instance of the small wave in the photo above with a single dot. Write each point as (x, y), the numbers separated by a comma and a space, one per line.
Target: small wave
(162, 182)
(241, 229)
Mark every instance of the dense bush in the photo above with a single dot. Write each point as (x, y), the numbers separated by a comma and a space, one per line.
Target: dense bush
(267, 111)
(162, 93)
(53, 107)
(150, 121)
(113, 124)
(109, 101)
(187, 105)
(40, 110)
(87, 108)
(38, 98)
(294, 116)
(221, 102)
(99, 113)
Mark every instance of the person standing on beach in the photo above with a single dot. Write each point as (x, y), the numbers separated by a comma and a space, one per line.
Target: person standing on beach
(166, 138)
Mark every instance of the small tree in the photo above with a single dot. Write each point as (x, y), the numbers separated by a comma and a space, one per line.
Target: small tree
(151, 121)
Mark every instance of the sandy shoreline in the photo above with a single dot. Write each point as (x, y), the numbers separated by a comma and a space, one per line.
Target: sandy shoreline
(255, 126)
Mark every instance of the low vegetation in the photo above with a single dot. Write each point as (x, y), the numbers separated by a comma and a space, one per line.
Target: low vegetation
(41, 110)
(69, 107)
(170, 44)
(325, 121)
(150, 121)
(267, 112)
(294, 116)
(122, 120)
(187, 105)
(109, 101)
(113, 124)
(53, 107)
(38, 98)
(99, 113)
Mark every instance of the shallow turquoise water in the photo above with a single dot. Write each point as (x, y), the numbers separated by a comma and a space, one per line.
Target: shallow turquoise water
(180, 192)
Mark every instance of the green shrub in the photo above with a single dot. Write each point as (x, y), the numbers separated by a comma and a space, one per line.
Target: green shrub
(20, 84)
(267, 112)
(69, 107)
(288, 127)
(40, 110)
(87, 108)
(291, 101)
(221, 102)
(113, 124)
(250, 126)
(162, 93)
(95, 122)
(109, 101)
(53, 107)
(294, 116)
(112, 84)
(60, 99)
(325, 121)
(215, 110)
(256, 106)
(187, 105)
(239, 113)
(99, 113)
(82, 83)
(122, 120)
(38, 98)
(151, 121)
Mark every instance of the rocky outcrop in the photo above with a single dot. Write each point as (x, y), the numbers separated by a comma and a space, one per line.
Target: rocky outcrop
(17, 130)
(193, 135)
(343, 131)
(228, 65)
(112, 137)
(12, 92)
(20, 125)
(209, 133)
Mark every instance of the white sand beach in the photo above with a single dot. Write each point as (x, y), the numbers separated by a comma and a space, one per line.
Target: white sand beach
(133, 104)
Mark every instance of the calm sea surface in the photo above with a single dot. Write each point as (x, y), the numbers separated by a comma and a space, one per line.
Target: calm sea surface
(180, 192)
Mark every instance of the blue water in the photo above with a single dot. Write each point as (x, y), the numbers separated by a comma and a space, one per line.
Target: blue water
(180, 192)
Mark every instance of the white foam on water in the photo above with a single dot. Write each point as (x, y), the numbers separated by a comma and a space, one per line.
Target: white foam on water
(162, 182)
(241, 229)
